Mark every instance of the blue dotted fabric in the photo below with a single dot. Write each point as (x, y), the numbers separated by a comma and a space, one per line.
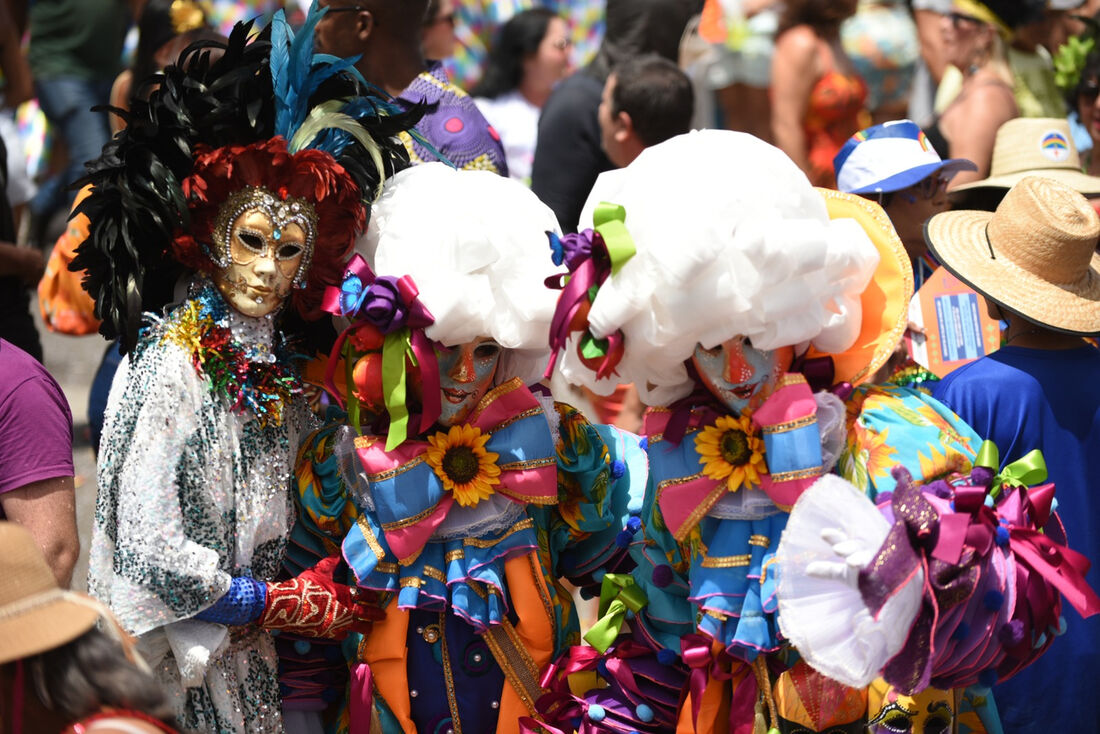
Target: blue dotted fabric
(242, 604)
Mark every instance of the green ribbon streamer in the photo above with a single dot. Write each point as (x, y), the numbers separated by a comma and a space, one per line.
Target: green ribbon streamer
(618, 594)
(610, 222)
(352, 398)
(1025, 472)
(396, 345)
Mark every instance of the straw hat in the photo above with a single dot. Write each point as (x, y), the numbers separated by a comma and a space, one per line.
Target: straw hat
(1036, 255)
(1035, 145)
(35, 614)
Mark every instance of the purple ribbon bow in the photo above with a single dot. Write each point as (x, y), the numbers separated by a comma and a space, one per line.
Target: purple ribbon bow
(389, 304)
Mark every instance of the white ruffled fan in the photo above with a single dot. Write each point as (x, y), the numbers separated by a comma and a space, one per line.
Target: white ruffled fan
(833, 532)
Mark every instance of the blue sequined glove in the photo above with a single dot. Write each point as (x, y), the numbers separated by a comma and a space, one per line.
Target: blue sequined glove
(241, 605)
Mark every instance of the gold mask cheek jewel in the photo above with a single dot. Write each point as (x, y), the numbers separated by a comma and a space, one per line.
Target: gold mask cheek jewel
(263, 248)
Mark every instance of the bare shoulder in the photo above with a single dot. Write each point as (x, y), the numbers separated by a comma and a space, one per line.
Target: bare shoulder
(799, 41)
(991, 96)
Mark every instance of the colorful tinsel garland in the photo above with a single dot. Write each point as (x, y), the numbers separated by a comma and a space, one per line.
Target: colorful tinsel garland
(263, 387)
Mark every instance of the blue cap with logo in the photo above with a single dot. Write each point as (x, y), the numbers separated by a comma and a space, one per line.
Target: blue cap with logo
(890, 157)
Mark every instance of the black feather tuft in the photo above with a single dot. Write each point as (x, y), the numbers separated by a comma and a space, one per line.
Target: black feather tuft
(217, 94)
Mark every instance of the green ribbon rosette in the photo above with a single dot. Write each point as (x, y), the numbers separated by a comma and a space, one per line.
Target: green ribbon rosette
(618, 595)
(610, 221)
(1024, 472)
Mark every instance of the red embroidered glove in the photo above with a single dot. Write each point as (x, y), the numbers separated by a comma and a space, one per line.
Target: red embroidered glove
(313, 605)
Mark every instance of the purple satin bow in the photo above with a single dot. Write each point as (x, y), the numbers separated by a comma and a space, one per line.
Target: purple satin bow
(559, 707)
(572, 249)
(585, 255)
(384, 301)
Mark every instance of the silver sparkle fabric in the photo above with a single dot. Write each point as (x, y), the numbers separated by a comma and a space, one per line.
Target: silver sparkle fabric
(192, 493)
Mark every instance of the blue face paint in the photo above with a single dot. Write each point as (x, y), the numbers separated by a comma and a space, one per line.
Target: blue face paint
(735, 372)
(466, 373)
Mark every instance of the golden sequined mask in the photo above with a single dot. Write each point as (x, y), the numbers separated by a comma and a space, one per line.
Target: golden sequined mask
(263, 248)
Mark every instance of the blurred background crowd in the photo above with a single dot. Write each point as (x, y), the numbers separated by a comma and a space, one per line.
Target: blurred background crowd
(802, 74)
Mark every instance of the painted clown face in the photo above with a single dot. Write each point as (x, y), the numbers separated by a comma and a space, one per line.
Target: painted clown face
(466, 373)
(929, 712)
(739, 375)
(264, 248)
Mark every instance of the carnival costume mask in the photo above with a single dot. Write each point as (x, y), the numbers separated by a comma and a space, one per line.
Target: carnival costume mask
(738, 374)
(263, 249)
(807, 702)
(225, 134)
(466, 373)
(928, 712)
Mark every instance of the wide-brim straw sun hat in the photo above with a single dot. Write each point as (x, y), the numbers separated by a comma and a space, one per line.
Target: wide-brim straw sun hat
(1035, 256)
(36, 615)
(1037, 146)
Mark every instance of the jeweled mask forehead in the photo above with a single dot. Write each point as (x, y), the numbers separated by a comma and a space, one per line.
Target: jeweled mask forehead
(281, 212)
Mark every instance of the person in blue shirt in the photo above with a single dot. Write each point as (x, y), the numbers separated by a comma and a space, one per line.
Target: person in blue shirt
(1035, 262)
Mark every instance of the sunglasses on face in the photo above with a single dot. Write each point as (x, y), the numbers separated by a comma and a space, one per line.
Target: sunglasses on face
(1089, 91)
(957, 19)
(925, 189)
(932, 185)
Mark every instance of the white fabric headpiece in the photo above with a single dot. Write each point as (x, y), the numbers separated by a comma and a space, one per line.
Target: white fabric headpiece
(731, 240)
(475, 244)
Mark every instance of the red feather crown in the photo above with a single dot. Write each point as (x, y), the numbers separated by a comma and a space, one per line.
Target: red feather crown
(309, 174)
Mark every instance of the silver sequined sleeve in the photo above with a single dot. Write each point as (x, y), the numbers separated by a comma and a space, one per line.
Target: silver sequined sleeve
(156, 554)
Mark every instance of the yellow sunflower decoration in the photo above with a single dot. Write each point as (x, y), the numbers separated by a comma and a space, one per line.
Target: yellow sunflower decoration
(731, 450)
(458, 457)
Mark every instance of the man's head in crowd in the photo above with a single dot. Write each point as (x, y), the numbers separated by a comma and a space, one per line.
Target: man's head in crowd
(646, 100)
(386, 35)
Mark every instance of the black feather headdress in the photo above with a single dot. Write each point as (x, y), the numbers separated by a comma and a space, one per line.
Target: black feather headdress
(216, 96)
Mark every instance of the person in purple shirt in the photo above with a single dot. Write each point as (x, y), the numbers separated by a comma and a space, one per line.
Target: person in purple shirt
(386, 36)
(1034, 260)
(36, 458)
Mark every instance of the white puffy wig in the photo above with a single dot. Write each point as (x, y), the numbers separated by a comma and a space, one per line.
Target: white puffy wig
(731, 240)
(475, 244)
